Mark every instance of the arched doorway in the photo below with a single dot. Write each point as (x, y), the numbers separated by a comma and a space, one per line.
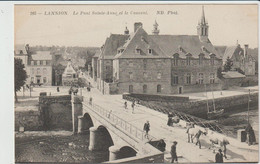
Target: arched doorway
(144, 88)
(131, 88)
(159, 88)
(126, 152)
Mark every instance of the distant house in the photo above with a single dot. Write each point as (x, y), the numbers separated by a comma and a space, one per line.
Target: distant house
(59, 65)
(69, 75)
(39, 68)
(232, 78)
(22, 52)
(241, 59)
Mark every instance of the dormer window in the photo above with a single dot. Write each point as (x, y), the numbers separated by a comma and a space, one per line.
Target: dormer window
(201, 59)
(188, 58)
(175, 59)
(150, 51)
(212, 59)
(137, 50)
(180, 49)
(142, 38)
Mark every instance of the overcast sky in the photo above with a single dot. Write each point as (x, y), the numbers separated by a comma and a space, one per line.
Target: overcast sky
(227, 23)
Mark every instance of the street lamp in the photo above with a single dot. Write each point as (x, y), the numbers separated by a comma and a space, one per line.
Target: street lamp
(248, 106)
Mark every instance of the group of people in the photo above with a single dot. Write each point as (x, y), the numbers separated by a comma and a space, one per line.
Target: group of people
(132, 105)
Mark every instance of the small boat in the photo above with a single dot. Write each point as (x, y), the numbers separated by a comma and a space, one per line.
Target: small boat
(215, 113)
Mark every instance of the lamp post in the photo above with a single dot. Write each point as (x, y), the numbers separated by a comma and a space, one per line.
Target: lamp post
(248, 106)
(103, 74)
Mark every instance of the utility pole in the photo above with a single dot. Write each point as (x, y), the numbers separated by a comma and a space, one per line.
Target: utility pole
(103, 74)
(248, 106)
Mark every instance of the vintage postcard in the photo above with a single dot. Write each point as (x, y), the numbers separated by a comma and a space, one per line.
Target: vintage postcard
(136, 83)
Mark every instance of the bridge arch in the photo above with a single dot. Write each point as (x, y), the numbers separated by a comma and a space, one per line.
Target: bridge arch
(85, 122)
(126, 151)
(105, 137)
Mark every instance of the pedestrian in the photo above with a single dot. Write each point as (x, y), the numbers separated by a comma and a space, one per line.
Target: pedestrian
(125, 104)
(58, 89)
(146, 129)
(250, 135)
(173, 152)
(133, 106)
(90, 100)
(219, 156)
(161, 145)
(170, 115)
(197, 136)
(224, 144)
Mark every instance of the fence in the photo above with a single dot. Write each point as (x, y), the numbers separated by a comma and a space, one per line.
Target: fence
(186, 117)
(121, 124)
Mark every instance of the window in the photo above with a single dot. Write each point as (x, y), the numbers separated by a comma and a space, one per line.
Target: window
(201, 78)
(145, 63)
(159, 75)
(212, 59)
(44, 80)
(145, 88)
(38, 62)
(32, 71)
(32, 79)
(32, 62)
(175, 61)
(130, 75)
(44, 62)
(38, 70)
(188, 60)
(212, 78)
(145, 75)
(150, 51)
(131, 89)
(188, 78)
(138, 51)
(159, 88)
(131, 63)
(175, 79)
(44, 70)
(200, 60)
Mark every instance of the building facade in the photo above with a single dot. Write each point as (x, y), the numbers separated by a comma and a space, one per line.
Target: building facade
(157, 64)
(39, 68)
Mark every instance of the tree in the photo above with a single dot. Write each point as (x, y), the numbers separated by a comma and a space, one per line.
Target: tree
(19, 76)
(228, 65)
(219, 73)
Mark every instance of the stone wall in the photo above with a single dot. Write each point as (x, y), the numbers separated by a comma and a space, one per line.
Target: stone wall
(30, 120)
(154, 72)
(199, 108)
(56, 112)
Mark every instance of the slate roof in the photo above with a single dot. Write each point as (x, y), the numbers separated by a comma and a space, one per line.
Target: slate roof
(163, 46)
(42, 55)
(111, 45)
(232, 75)
(141, 40)
(230, 51)
(18, 48)
(189, 43)
(221, 50)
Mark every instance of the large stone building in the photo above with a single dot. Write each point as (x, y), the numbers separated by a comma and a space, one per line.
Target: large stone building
(157, 64)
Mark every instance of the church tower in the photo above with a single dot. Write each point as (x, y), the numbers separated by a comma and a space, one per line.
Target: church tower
(155, 28)
(202, 28)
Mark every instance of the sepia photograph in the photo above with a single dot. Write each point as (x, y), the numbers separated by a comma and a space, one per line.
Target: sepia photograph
(136, 83)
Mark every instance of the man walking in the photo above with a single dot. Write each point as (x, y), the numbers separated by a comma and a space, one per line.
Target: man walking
(197, 136)
(125, 104)
(133, 106)
(146, 129)
(174, 153)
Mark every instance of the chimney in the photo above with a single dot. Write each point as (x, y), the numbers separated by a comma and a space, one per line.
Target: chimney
(27, 48)
(137, 25)
(246, 50)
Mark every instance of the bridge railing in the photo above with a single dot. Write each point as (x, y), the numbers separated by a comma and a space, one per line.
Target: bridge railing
(183, 116)
(121, 124)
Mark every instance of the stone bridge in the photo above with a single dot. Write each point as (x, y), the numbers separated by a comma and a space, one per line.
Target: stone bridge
(123, 141)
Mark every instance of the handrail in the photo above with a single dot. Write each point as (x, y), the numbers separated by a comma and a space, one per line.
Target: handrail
(181, 115)
(119, 122)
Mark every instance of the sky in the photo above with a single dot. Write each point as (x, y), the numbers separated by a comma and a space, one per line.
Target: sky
(227, 23)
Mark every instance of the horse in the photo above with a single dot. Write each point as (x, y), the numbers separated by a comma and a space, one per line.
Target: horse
(192, 132)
